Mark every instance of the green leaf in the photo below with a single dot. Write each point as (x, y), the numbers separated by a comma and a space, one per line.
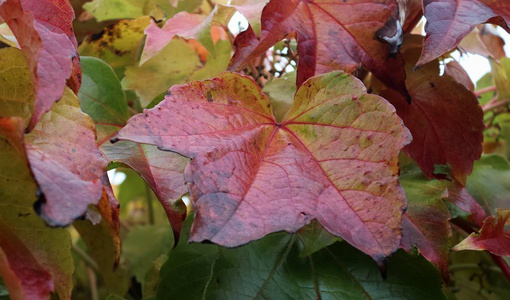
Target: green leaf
(101, 248)
(501, 73)
(281, 91)
(314, 238)
(489, 183)
(51, 247)
(271, 268)
(143, 245)
(485, 82)
(16, 92)
(177, 63)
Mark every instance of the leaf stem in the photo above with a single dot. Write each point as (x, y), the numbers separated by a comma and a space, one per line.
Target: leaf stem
(484, 90)
(150, 207)
(494, 103)
(93, 284)
(89, 260)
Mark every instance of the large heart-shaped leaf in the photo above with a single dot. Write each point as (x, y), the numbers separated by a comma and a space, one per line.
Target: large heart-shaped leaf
(332, 35)
(333, 158)
(271, 268)
(44, 32)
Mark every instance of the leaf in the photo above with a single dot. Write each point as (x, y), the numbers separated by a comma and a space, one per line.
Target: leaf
(281, 91)
(272, 269)
(426, 222)
(465, 204)
(177, 63)
(455, 70)
(31, 249)
(187, 26)
(117, 44)
(449, 21)
(115, 9)
(489, 183)
(251, 10)
(484, 42)
(143, 245)
(334, 35)
(492, 237)
(501, 75)
(66, 162)
(475, 276)
(250, 176)
(103, 249)
(102, 98)
(16, 92)
(44, 32)
(444, 118)
(314, 238)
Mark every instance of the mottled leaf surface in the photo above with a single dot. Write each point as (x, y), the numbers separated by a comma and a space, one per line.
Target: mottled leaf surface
(272, 269)
(449, 21)
(489, 183)
(426, 221)
(44, 32)
(334, 159)
(66, 162)
(38, 257)
(16, 91)
(444, 118)
(102, 98)
(493, 236)
(332, 35)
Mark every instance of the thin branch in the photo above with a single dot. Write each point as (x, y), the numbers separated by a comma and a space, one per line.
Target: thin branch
(150, 206)
(89, 260)
(495, 103)
(485, 90)
(93, 284)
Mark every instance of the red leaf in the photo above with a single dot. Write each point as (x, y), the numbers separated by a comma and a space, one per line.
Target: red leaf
(458, 195)
(334, 159)
(24, 276)
(332, 35)
(44, 31)
(449, 21)
(426, 222)
(66, 162)
(444, 118)
(455, 70)
(492, 236)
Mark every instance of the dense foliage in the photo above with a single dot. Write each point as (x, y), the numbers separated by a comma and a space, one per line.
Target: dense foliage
(329, 150)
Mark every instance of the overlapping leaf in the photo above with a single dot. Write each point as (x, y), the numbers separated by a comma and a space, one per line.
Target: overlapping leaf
(449, 21)
(34, 259)
(103, 99)
(272, 269)
(188, 26)
(444, 118)
(44, 31)
(426, 221)
(334, 159)
(493, 236)
(118, 44)
(177, 63)
(331, 35)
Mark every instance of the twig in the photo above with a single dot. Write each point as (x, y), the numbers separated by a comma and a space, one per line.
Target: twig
(93, 284)
(89, 260)
(485, 90)
(494, 103)
(150, 207)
